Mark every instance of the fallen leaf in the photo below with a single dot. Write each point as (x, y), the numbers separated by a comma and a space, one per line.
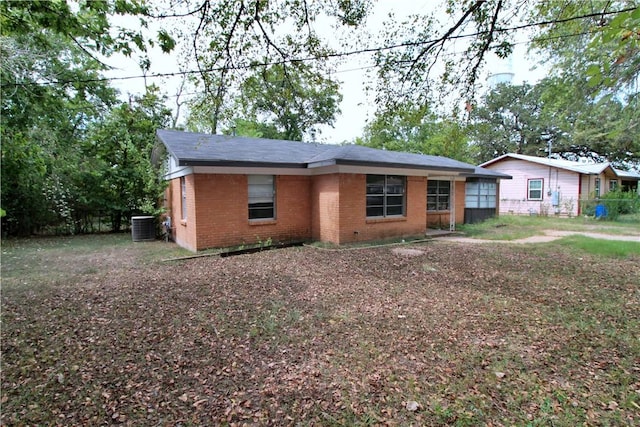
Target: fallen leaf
(412, 406)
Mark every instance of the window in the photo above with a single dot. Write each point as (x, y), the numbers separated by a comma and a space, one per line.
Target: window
(613, 184)
(385, 195)
(438, 195)
(261, 197)
(183, 197)
(597, 189)
(480, 194)
(534, 189)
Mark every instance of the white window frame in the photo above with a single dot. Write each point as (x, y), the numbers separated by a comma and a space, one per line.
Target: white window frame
(541, 189)
(183, 198)
(261, 197)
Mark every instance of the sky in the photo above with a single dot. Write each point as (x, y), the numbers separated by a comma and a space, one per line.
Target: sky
(355, 108)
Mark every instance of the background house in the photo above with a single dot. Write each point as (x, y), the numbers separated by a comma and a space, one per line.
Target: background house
(551, 186)
(228, 190)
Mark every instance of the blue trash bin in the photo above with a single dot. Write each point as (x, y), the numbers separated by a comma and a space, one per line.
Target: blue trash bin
(601, 211)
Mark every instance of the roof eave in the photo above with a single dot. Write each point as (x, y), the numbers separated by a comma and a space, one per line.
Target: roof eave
(239, 163)
(484, 175)
(497, 159)
(166, 146)
(401, 165)
(322, 163)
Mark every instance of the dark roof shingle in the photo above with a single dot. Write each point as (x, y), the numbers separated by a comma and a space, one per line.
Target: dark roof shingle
(198, 149)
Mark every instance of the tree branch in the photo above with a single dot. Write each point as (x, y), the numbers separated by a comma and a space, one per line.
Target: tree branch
(485, 46)
(204, 8)
(306, 16)
(256, 18)
(174, 15)
(445, 36)
(89, 54)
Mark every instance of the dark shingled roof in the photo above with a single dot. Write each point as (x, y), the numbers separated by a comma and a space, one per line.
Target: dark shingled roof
(481, 172)
(198, 149)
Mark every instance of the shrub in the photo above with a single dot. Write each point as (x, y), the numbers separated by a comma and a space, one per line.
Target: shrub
(620, 202)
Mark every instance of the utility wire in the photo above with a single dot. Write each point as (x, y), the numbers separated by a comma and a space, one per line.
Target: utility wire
(370, 66)
(320, 57)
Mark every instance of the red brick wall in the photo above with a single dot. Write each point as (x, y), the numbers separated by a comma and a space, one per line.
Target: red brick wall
(184, 232)
(329, 208)
(353, 208)
(223, 218)
(354, 225)
(325, 208)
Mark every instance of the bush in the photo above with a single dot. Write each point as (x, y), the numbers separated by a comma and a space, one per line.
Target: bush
(620, 202)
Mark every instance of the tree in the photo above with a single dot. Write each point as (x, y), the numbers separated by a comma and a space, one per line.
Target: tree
(253, 129)
(525, 118)
(509, 121)
(416, 130)
(85, 23)
(52, 92)
(290, 100)
(234, 41)
(118, 160)
(42, 125)
(600, 51)
(606, 130)
(596, 67)
(412, 58)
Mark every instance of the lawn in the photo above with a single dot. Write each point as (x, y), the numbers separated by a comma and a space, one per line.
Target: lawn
(512, 227)
(97, 330)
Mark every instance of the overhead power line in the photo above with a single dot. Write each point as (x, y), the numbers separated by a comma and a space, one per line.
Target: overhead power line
(319, 57)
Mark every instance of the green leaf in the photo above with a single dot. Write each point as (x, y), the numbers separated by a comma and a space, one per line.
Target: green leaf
(595, 80)
(593, 70)
(167, 43)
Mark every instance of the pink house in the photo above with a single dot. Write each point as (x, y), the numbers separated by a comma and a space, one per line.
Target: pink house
(551, 186)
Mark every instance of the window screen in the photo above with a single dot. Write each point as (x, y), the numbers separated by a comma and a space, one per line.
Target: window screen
(385, 195)
(438, 195)
(480, 194)
(183, 197)
(261, 197)
(534, 189)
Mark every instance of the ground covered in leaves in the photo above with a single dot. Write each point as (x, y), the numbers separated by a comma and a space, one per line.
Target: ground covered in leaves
(435, 333)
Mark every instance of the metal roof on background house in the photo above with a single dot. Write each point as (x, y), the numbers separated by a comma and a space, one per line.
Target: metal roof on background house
(198, 149)
(585, 168)
(628, 175)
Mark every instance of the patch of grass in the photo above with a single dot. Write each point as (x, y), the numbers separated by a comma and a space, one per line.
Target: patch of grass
(503, 228)
(65, 260)
(633, 219)
(513, 227)
(599, 247)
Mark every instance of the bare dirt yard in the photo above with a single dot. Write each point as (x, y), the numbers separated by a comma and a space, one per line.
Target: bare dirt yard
(97, 330)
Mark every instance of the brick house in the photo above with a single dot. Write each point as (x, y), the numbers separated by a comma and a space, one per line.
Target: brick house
(228, 190)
